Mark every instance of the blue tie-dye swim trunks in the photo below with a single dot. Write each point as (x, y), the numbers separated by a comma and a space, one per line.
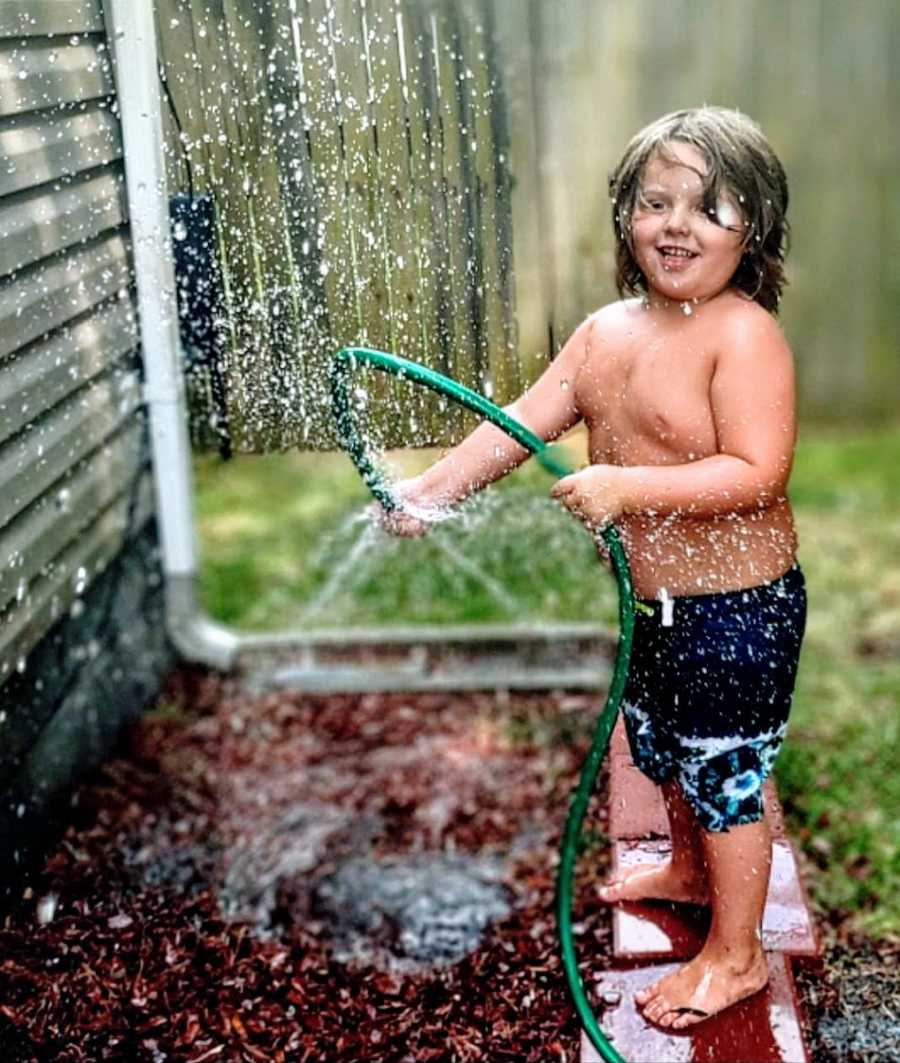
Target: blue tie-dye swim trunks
(708, 697)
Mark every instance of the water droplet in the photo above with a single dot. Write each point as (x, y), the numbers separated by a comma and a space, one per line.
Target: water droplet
(686, 309)
(46, 908)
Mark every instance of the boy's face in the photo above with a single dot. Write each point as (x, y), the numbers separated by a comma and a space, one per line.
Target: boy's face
(684, 252)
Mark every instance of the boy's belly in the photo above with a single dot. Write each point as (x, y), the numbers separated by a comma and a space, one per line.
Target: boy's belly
(688, 556)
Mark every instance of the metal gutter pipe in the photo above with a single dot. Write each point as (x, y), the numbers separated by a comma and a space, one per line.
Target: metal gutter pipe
(132, 39)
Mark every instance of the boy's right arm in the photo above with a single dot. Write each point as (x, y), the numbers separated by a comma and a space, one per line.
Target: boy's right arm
(549, 408)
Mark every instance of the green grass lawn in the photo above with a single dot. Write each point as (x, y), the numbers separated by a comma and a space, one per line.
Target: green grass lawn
(283, 546)
(839, 772)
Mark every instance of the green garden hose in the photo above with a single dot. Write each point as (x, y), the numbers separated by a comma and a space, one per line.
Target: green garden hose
(344, 363)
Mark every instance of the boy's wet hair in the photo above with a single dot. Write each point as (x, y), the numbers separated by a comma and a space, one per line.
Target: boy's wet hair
(739, 160)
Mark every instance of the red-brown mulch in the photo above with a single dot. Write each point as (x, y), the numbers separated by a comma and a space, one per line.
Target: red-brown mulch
(120, 950)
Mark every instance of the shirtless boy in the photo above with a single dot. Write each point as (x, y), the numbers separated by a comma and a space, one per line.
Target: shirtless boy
(687, 391)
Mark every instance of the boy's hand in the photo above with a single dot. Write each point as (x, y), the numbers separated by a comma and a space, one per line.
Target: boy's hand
(399, 523)
(413, 518)
(597, 495)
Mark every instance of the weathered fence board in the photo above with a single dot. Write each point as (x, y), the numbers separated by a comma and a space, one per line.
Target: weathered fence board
(351, 209)
(815, 74)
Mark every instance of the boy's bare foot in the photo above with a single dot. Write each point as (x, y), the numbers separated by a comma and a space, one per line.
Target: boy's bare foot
(656, 881)
(706, 985)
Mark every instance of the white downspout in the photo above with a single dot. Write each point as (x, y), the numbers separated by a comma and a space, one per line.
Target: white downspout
(132, 38)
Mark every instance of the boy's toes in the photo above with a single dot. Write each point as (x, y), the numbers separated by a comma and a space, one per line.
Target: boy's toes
(656, 1008)
(610, 891)
(687, 1017)
(645, 995)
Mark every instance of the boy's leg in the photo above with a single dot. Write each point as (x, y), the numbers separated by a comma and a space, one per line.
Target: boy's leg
(748, 678)
(683, 877)
(738, 866)
(688, 853)
(731, 965)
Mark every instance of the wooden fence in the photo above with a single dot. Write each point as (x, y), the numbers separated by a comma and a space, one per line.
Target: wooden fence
(355, 150)
(581, 76)
(380, 166)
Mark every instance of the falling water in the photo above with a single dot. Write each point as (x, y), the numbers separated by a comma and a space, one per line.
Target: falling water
(359, 187)
(352, 566)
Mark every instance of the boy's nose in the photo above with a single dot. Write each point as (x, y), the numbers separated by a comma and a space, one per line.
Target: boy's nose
(677, 219)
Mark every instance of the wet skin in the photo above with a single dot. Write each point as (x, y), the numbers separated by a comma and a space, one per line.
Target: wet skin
(730, 870)
(659, 386)
(644, 394)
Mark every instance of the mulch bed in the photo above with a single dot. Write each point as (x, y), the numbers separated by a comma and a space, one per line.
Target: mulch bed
(121, 950)
(195, 906)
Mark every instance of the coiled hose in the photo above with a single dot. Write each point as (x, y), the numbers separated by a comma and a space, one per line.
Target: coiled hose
(343, 364)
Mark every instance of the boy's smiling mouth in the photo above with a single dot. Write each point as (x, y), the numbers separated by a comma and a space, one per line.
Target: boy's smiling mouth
(675, 257)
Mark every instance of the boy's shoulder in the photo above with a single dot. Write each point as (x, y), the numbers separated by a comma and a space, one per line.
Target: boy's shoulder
(742, 322)
(619, 310)
(613, 317)
(730, 321)
(746, 339)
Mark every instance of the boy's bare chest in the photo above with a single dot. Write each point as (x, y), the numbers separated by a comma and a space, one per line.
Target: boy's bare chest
(649, 403)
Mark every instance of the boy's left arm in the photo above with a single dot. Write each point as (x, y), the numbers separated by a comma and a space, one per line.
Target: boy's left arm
(752, 398)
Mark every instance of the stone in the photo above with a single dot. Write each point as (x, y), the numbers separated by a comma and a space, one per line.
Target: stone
(764, 1028)
(645, 930)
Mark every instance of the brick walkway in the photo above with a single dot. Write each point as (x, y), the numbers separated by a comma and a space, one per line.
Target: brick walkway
(651, 938)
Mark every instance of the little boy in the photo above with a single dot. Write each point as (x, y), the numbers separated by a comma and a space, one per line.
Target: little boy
(687, 391)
